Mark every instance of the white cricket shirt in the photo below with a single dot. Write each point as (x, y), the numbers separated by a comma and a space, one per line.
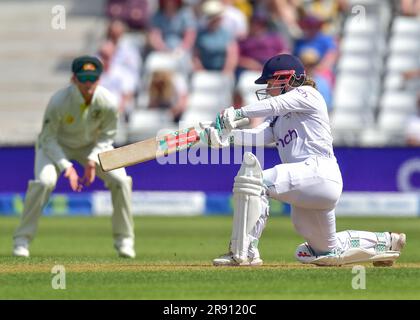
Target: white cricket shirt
(301, 129)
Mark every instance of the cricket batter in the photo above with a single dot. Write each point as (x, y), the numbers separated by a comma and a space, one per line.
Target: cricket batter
(309, 178)
(80, 121)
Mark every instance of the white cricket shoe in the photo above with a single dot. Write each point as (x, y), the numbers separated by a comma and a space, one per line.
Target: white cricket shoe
(398, 241)
(125, 248)
(227, 260)
(21, 248)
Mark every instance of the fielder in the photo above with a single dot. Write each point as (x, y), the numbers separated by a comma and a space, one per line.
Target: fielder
(80, 121)
(309, 178)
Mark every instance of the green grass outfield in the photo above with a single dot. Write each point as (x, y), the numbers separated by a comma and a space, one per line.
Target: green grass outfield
(174, 262)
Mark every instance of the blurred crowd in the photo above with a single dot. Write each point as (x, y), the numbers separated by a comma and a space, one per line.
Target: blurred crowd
(228, 36)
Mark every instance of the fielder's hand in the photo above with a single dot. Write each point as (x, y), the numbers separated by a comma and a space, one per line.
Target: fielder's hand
(73, 177)
(90, 172)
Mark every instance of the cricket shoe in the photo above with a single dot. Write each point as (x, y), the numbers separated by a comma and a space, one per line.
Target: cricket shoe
(125, 248)
(21, 248)
(228, 260)
(398, 241)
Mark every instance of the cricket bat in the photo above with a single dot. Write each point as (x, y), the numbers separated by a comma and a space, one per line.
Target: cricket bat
(153, 148)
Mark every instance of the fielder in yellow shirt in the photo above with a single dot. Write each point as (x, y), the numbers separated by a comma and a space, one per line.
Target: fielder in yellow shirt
(80, 122)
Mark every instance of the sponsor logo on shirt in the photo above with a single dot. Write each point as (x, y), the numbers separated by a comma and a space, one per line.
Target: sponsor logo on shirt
(69, 119)
(291, 134)
(302, 92)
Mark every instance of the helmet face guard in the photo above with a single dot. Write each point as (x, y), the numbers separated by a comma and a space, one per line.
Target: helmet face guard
(283, 80)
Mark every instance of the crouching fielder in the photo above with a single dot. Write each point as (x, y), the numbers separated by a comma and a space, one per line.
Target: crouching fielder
(309, 178)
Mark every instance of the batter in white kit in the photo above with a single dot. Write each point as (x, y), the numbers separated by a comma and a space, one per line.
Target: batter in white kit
(309, 178)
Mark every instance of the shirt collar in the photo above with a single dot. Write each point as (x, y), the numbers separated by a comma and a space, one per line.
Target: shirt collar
(79, 98)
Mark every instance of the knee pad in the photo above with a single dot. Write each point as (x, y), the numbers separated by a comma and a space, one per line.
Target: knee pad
(44, 184)
(250, 203)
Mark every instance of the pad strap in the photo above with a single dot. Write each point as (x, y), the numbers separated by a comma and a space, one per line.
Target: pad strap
(354, 239)
(381, 244)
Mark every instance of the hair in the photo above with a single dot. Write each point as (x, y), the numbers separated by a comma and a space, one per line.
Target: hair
(307, 81)
(161, 88)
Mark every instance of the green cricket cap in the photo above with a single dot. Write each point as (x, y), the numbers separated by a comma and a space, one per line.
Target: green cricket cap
(87, 68)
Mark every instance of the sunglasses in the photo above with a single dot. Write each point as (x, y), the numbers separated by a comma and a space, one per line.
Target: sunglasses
(86, 78)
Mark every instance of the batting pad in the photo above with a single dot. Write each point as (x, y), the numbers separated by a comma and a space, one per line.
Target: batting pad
(248, 193)
(353, 255)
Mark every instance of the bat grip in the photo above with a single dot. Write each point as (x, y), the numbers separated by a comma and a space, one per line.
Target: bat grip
(236, 124)
(241, 123)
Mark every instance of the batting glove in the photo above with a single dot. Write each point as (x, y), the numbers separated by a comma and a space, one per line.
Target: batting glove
(228, 117)
(214, 138)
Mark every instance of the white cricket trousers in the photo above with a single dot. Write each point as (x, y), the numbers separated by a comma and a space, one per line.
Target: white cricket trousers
(312, 188)
(46, 175)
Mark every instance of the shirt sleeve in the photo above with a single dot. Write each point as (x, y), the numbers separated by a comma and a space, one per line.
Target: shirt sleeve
(108, 130)
(297, 100)
(48, 137)
(259, 136)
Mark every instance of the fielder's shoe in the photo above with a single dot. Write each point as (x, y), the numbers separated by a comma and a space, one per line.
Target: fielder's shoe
(21, 248)
(227, 260)
(398, 241)
(125, 247)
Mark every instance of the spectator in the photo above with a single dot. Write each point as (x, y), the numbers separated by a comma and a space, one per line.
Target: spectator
(328, 11)
(260, 45)
(234, 20)
(133, 12)
(168, 93)
(310, 59)
(315, 38)
(215, 48)
(284, 16)
(245, 6)
(412, 74)
(173, 27)
(126, 55)
(410, 7)
(115, 79)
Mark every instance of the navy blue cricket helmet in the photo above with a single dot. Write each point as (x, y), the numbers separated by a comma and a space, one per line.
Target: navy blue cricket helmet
(285, 69)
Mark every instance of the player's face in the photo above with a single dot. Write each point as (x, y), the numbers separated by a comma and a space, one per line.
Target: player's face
(86, 88)
(273, 88)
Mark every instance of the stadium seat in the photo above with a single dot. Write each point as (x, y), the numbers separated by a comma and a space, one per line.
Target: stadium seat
(208, 101)
(404, 45)
(369, 26)
(211, 81)
(348, 121)
(372, 137)
(249, 98)
(392, 121)
(345, 99)
(145, 124)
(358, 45)
(395, 81)
(246, 83)
(402, 62)
(403, 25)
(359, 64)
(398, 101)
(192, 118)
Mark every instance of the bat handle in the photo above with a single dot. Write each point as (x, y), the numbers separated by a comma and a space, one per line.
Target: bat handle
(241, 123)
(236, 124)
